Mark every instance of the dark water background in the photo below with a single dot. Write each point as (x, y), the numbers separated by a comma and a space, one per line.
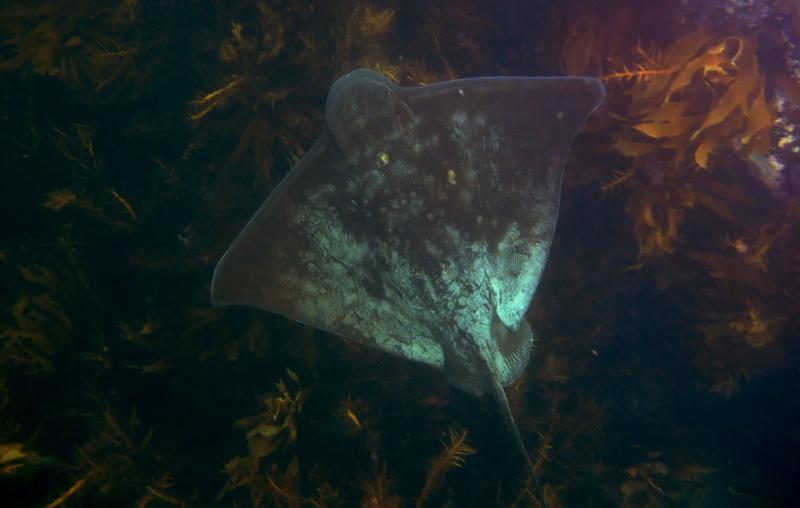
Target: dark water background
(138, 137)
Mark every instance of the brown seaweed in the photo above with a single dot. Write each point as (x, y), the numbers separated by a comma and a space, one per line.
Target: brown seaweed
(137, 135)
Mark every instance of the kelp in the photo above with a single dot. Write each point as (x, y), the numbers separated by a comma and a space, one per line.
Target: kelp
(680, 95)
(676, 109)
(693, 128)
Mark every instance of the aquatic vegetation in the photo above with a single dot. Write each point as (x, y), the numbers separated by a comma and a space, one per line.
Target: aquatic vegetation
(137, 136)
(40, 323)
(677, 108)
(356, 415)
(666, 104)
(673, 110)
(738, 346)
(453, 455)
(377, 491)
(85, 45)
(158, 491)
(15, 456)
(749, 335)
(454, 43)
(641, 488)
(90, 191)
(653, 483)
(694, 127)
(361, 40)
(255, 76)
(267, 432)
(58, 199)
(257, 102)
(116, 459)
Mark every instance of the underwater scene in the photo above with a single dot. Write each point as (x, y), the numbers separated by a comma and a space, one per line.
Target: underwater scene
(386, 254)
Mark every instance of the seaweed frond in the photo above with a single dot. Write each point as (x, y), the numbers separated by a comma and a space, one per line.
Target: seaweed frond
(454, 452)
(377, 491)
(41, 323)
(618, 178)
(375, 22)
(58, 199)
(361, 40)
(655, 483)
(271, 430)
(15, 456)
(641, 487)
(89, 46)
(674, 110)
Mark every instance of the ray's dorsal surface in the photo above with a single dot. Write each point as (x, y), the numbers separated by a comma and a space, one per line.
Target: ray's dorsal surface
(420, 221)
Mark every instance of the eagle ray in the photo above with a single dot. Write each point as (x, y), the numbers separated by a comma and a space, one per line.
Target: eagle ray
(420, 221)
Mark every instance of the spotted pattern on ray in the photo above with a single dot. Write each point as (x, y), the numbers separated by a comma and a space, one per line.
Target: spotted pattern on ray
(420, 222)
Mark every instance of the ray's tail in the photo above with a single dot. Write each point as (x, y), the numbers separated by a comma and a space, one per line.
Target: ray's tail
(500, 396)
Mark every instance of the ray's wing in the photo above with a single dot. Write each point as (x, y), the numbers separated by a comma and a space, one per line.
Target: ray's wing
(313, 253)
(388, 228)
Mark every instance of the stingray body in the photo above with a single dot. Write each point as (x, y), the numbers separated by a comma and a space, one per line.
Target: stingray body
(420, 221)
